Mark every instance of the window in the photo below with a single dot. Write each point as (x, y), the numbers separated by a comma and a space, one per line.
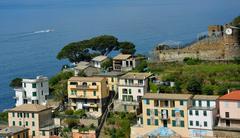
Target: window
(139, 90)
(43, 133)
(173, 123)
(238, 104)
(182, 123)
(173, 113)
(130, 91)
(94, 84)
(13, 114)
(125, 107)
(226, 104)
(34, 85)
(148, 112)
(33, 133)
(24, 85)
(182, 113)
(130, 82)
(208, 103)
(166, 103)
(156, 103)
(200, 103)
(33, 123)
(205, 113)
(197, 123)
(156, 122)
(20, 123)
(41, 84)
(84, 93)
(18, 136)
(94, 93)
(148, 122)
(196, 113)
(181, 102)
(34, 94)
(147, 101)
(124, 91)
(140, 82)
(112, 79)
(193, 103)
(125, 81)
(13, 123)
(226, 114)
(73, 83)
(32, 115)
(190, 112)
(205, 123)
(42, 92)
(156, 112)
(191, 123)
(84, 84)
(27, 115)
(26, 123)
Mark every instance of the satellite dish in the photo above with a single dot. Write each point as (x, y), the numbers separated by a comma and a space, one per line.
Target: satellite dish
(228, 31)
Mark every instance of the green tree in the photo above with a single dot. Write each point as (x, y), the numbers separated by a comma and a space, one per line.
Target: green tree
(195, 85)
(104, 44)
(236, 21)
(107, 64)
(17, 82)
(127, 48)
(208, 90)
(142, 66)
(75, 52)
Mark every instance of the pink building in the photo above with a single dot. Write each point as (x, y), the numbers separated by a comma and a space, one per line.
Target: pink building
(229, 110)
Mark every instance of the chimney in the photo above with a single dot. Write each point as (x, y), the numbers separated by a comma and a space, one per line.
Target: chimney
(134, 76)
(228, 91)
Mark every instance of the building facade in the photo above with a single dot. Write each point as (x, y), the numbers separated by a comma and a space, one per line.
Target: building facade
(125, 62)
(99, 60)
(202, 115)
(88, 93)
(14, 132)
(229, 111)
(132, 86)
(164, 110)
(33, 91)
(35, 117)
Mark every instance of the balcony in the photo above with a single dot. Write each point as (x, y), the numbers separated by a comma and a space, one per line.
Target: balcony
(82, 96)
(132, 84)
(130, 102)
(91, 105)
(84, 87)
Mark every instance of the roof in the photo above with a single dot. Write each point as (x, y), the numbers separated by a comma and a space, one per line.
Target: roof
(82, 65)
(167, 96)
(9, 131)
(205, 97)
(122, 56)
(29, 108)
(50, 127)
(92, 79)
(99, 58)
(234, 95)
(134, 75)
(112, 73)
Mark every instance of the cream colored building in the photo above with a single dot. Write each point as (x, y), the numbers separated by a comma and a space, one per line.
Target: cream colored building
(88, 93)
(132, 86)
(125, 62)
(14, 132)
(35, 117)
(163, 110)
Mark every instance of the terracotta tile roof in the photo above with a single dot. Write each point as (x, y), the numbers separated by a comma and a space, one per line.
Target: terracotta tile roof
(167, 96)
(99, 58)
(90, 79)
(10, 131)
(234, 95)
(205, 97)
(29, 108)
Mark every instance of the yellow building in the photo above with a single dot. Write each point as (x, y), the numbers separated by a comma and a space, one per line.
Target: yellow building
(112, 79)
(88, 93)
(163, 110)
(37, 118)
(14, 132)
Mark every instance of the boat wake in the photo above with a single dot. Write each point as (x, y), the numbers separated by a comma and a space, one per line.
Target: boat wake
(13, 37)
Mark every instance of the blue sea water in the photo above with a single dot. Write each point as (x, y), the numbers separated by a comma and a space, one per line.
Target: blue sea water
(26, 50)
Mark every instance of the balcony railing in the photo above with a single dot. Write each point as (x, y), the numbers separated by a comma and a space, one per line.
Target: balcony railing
(91, 105)
(84, 96)
(84, 87)
(131, 84)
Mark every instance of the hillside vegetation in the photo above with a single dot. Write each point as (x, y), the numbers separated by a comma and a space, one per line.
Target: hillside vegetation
(209, 77)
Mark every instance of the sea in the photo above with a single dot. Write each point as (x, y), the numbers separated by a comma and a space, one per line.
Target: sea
(32, 32)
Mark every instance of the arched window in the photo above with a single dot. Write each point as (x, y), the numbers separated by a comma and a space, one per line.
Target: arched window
(94, 84)
(84, 84)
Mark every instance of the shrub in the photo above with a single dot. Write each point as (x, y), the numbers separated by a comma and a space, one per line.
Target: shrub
(17, 82)
(195, 85)
(191, 61)
(71, 122)
(79, 112)
(69, 112)
(208, 90)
